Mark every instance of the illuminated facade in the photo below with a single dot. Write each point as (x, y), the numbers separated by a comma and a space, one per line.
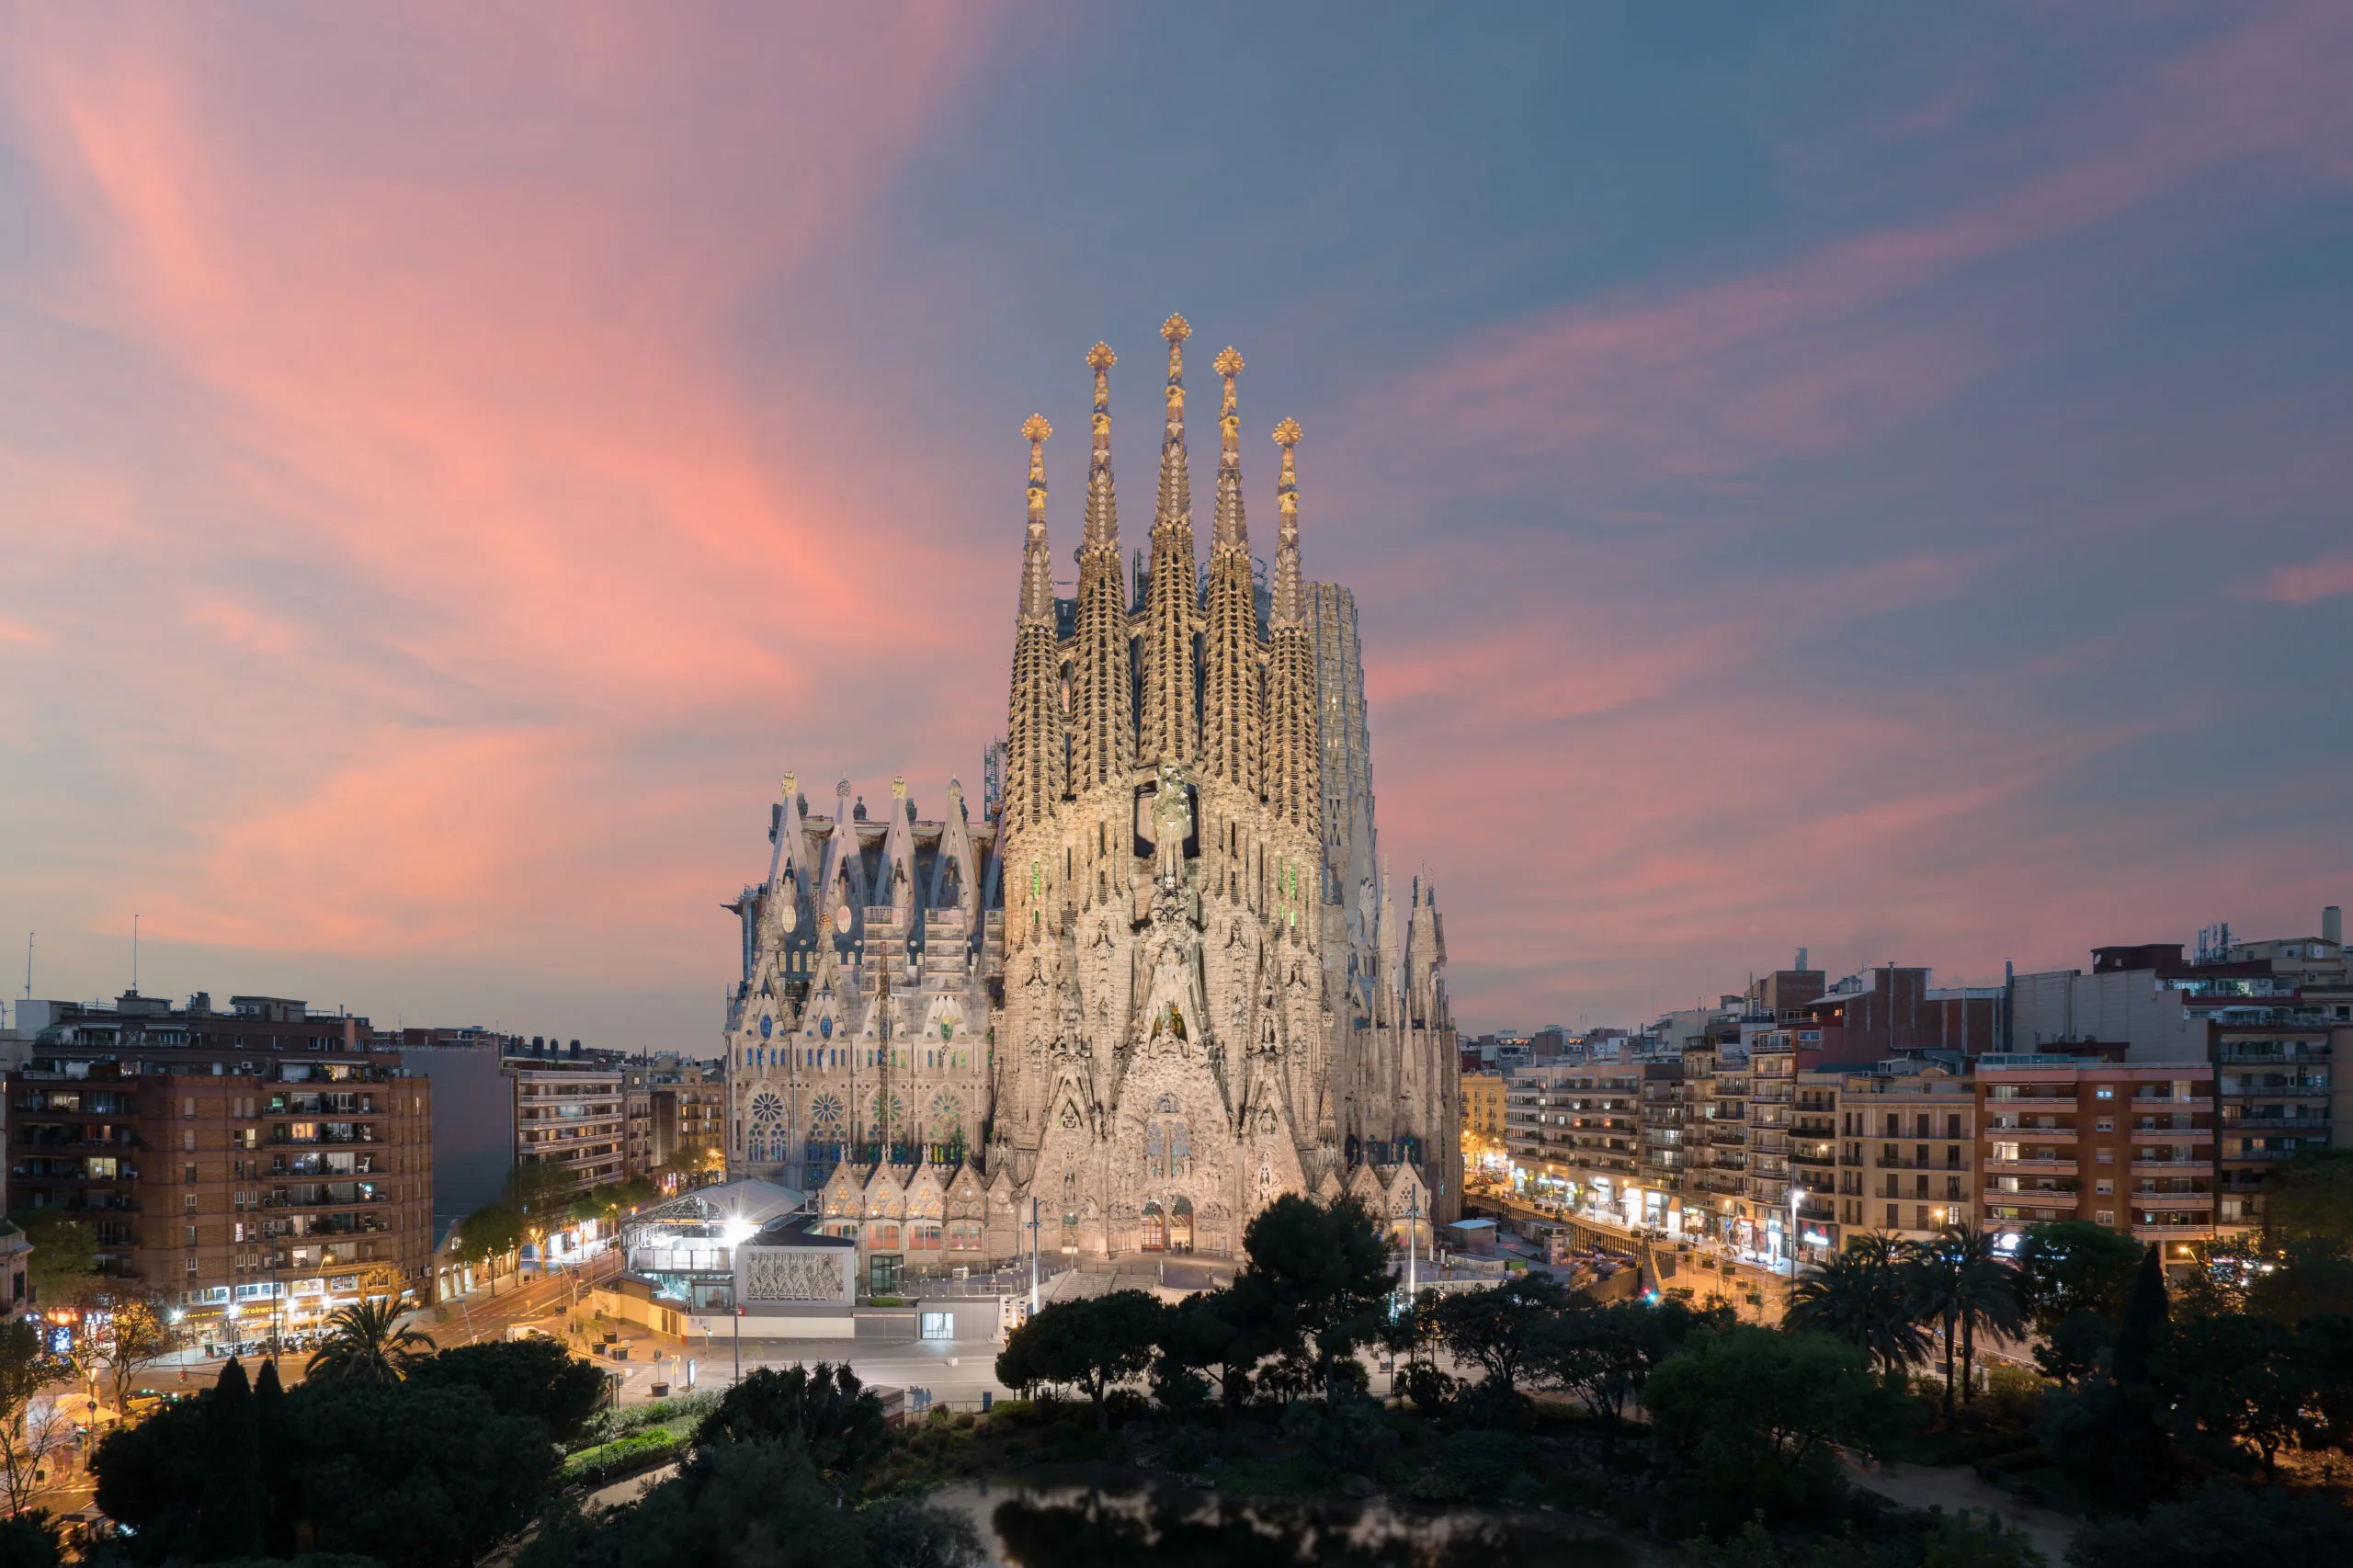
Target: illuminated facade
(1143, 996)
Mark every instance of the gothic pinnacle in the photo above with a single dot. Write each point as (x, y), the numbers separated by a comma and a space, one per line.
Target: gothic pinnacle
(1102, 505)
(1289, 595)
(1035, 430)
(1229, 526)
(1037, 565)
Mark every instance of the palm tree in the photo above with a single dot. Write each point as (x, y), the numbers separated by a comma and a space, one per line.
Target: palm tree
(1863, 1296)
(365, 1344)
(1958, 1276)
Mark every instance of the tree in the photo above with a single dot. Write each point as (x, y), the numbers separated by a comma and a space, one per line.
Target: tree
(2242, 1383)
(825, 1412)
(1498, 1330)
(143, 1334)
(538, 1189)
(365, 1342)
(1606, 1355)
(758, 1502)
(2221, 1525)
(2145, 1331)
(1957, 1276)
(276, 1461)
(151, 1480)
(2310, 1199)
(535, 1376)
(27, 1434)
(2075, 1349)
(1229, 1330)
(2324, 1345)
(1762, 1415)
(2307, 1277)
(65, 1258)
(29, 1540)
(1864, 1297)
(2066, 1267)
(229, 1518)
(1092, 1343)
(419, 1477)
(489, 1233)
(1325, 1274)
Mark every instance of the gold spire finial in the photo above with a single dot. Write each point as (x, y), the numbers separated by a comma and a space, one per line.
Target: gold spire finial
(1176, 329)
(1287, 486)
(1035, 430)
(1101, 357)
(1229, 424)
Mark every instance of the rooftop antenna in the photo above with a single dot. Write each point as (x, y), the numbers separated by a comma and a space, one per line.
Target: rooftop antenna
(135, 955)
(29, 966)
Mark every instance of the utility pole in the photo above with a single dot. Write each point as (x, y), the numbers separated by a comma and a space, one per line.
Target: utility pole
(1033, 1257)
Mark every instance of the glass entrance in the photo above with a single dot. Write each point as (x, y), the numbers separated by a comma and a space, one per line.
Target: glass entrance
(1155, 1227)
(1181, 1225)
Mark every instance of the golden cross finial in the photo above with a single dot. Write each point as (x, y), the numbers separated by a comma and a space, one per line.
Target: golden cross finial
(1176, 329)
(1035, 430)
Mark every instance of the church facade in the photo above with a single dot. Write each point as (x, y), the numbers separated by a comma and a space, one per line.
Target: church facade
(1151, 984)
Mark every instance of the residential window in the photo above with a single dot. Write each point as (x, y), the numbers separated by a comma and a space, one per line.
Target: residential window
(2103, 1188)
(2108, 1216)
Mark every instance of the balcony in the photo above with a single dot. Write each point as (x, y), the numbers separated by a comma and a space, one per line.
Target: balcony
(2171, 1199)
(2168, 1167)
(2010, 1127)
(2165, 1233)
(2143, 1104)
(2030, 1167)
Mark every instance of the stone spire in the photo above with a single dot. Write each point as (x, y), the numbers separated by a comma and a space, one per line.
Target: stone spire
(1294, 783)
(1230, 742)
(1033, 748)
(1103, 702)
(1171, 730)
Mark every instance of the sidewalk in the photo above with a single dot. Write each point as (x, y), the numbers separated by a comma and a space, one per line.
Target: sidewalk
(1954, 1487)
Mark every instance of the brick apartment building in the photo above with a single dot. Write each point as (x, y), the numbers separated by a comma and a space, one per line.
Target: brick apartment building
(258, 1160)
(2128, 1145)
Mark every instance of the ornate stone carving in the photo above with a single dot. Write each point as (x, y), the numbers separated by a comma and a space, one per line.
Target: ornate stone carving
(776, 1274)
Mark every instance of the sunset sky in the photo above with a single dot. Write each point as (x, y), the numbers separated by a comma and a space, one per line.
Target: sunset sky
(1872, 478)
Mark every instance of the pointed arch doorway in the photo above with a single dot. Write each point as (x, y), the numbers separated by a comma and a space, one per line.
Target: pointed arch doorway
(1180, 1224)
(1155, 1227)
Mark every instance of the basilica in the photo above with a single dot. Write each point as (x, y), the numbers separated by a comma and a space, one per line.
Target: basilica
(1157, 974)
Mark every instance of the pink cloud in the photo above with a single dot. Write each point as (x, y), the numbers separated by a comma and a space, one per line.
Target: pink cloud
(2315, 580)
(482, 495)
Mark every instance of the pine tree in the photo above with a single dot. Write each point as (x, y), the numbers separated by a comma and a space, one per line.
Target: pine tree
(229, 1520)
(275, 1464)
(2143, 1337)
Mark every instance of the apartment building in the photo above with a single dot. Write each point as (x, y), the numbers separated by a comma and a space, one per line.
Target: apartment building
(570, 1114)
(2275, 1088)
(1908, 1146)
(2128, 1145)
(1662, 1165)
(677, 1119)
(260, 1159)
(1483, 1107)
